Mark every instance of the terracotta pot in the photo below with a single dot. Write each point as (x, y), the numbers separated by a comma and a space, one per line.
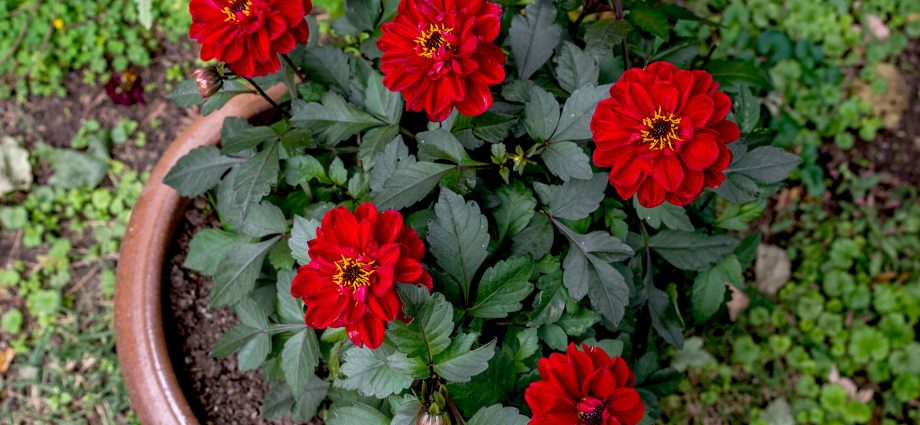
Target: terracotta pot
(140, 339)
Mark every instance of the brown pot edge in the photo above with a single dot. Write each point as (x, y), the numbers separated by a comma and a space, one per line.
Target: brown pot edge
(140, 338)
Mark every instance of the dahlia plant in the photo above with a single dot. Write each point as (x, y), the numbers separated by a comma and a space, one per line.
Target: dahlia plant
(472, 212)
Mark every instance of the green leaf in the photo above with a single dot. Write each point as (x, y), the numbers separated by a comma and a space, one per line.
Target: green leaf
(732, 72)
(393, 156)
(251, 313)
(575, 199)
(549, 304)
(428, 334)
(691, 251)
(307, 405)
(567, 161)
(602, 35)
(459, 364)
(255, 179)
(328, 65)
(304, 169)
(198, 171)
(277, 402)
(554, 336)
(410, 184)
(333, 120)
(303, 232)
(521, 344)
(208, 247)
(587, 271)
(440, 144)
(407, 411)
(575, 68)
(381, 102)
(237, 272)
(235, 139)
(534, 35)
(672, 216)
(368, 372)
(74, 169)
(502, 288)
(536, 239)
(541, 115)
(186, 94)
(337, 172)
(231, 341)
(708, 292)
(515, 208)
(747, 109)
(498, 415)
(458, 237)
(575, 123)
(487, 388)
(665, 319)
(264, 219)
(493, 127)
(766, 164)
(290, 309)
(299, 359)
(579, 323)
(362, 14)
(254, 352)
(651, 20)
(358, 413)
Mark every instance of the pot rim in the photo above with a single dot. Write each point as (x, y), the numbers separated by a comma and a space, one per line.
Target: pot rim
(140, 339)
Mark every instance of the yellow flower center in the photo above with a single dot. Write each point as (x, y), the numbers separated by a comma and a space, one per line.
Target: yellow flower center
(353, 273)
(237, 6)
(428, 42)
(661, 130)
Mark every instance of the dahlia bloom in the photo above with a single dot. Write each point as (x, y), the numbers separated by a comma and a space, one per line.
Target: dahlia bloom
(355, 262)
(440, 55)
(248, 35)
(663, 132)
(584, 388)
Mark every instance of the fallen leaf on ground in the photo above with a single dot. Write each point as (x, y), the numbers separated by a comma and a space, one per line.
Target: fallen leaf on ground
(6, 359)
(772, 270)
(738, 303)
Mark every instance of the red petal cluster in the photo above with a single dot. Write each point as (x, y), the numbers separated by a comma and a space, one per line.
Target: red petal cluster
(355, 262)
(248, 35)
(584, 388)
(663, 132)
(440, 55)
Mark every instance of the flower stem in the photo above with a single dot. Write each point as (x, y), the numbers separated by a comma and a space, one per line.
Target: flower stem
(290, 63)
(267, 97)
(618, 13)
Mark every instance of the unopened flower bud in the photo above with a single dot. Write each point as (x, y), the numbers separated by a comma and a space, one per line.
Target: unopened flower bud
(209, 81)
(426, 418)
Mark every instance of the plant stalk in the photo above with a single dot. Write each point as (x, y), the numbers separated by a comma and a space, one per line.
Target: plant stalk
(267, 97)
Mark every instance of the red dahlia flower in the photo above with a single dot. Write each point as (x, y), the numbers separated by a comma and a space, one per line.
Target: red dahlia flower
(663, 132)
(440, 55)
(356, 260)
(248, 35)
(584, 388)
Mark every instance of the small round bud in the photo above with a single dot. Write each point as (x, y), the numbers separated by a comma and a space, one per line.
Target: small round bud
(209, 81)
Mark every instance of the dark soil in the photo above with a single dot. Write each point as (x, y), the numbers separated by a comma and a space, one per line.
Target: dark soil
(897, 152)
(218, 392)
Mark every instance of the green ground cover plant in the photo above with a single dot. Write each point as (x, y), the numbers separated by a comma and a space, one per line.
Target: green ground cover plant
(56, 319)
(41, 41)
(817, 54)
(838, 343)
